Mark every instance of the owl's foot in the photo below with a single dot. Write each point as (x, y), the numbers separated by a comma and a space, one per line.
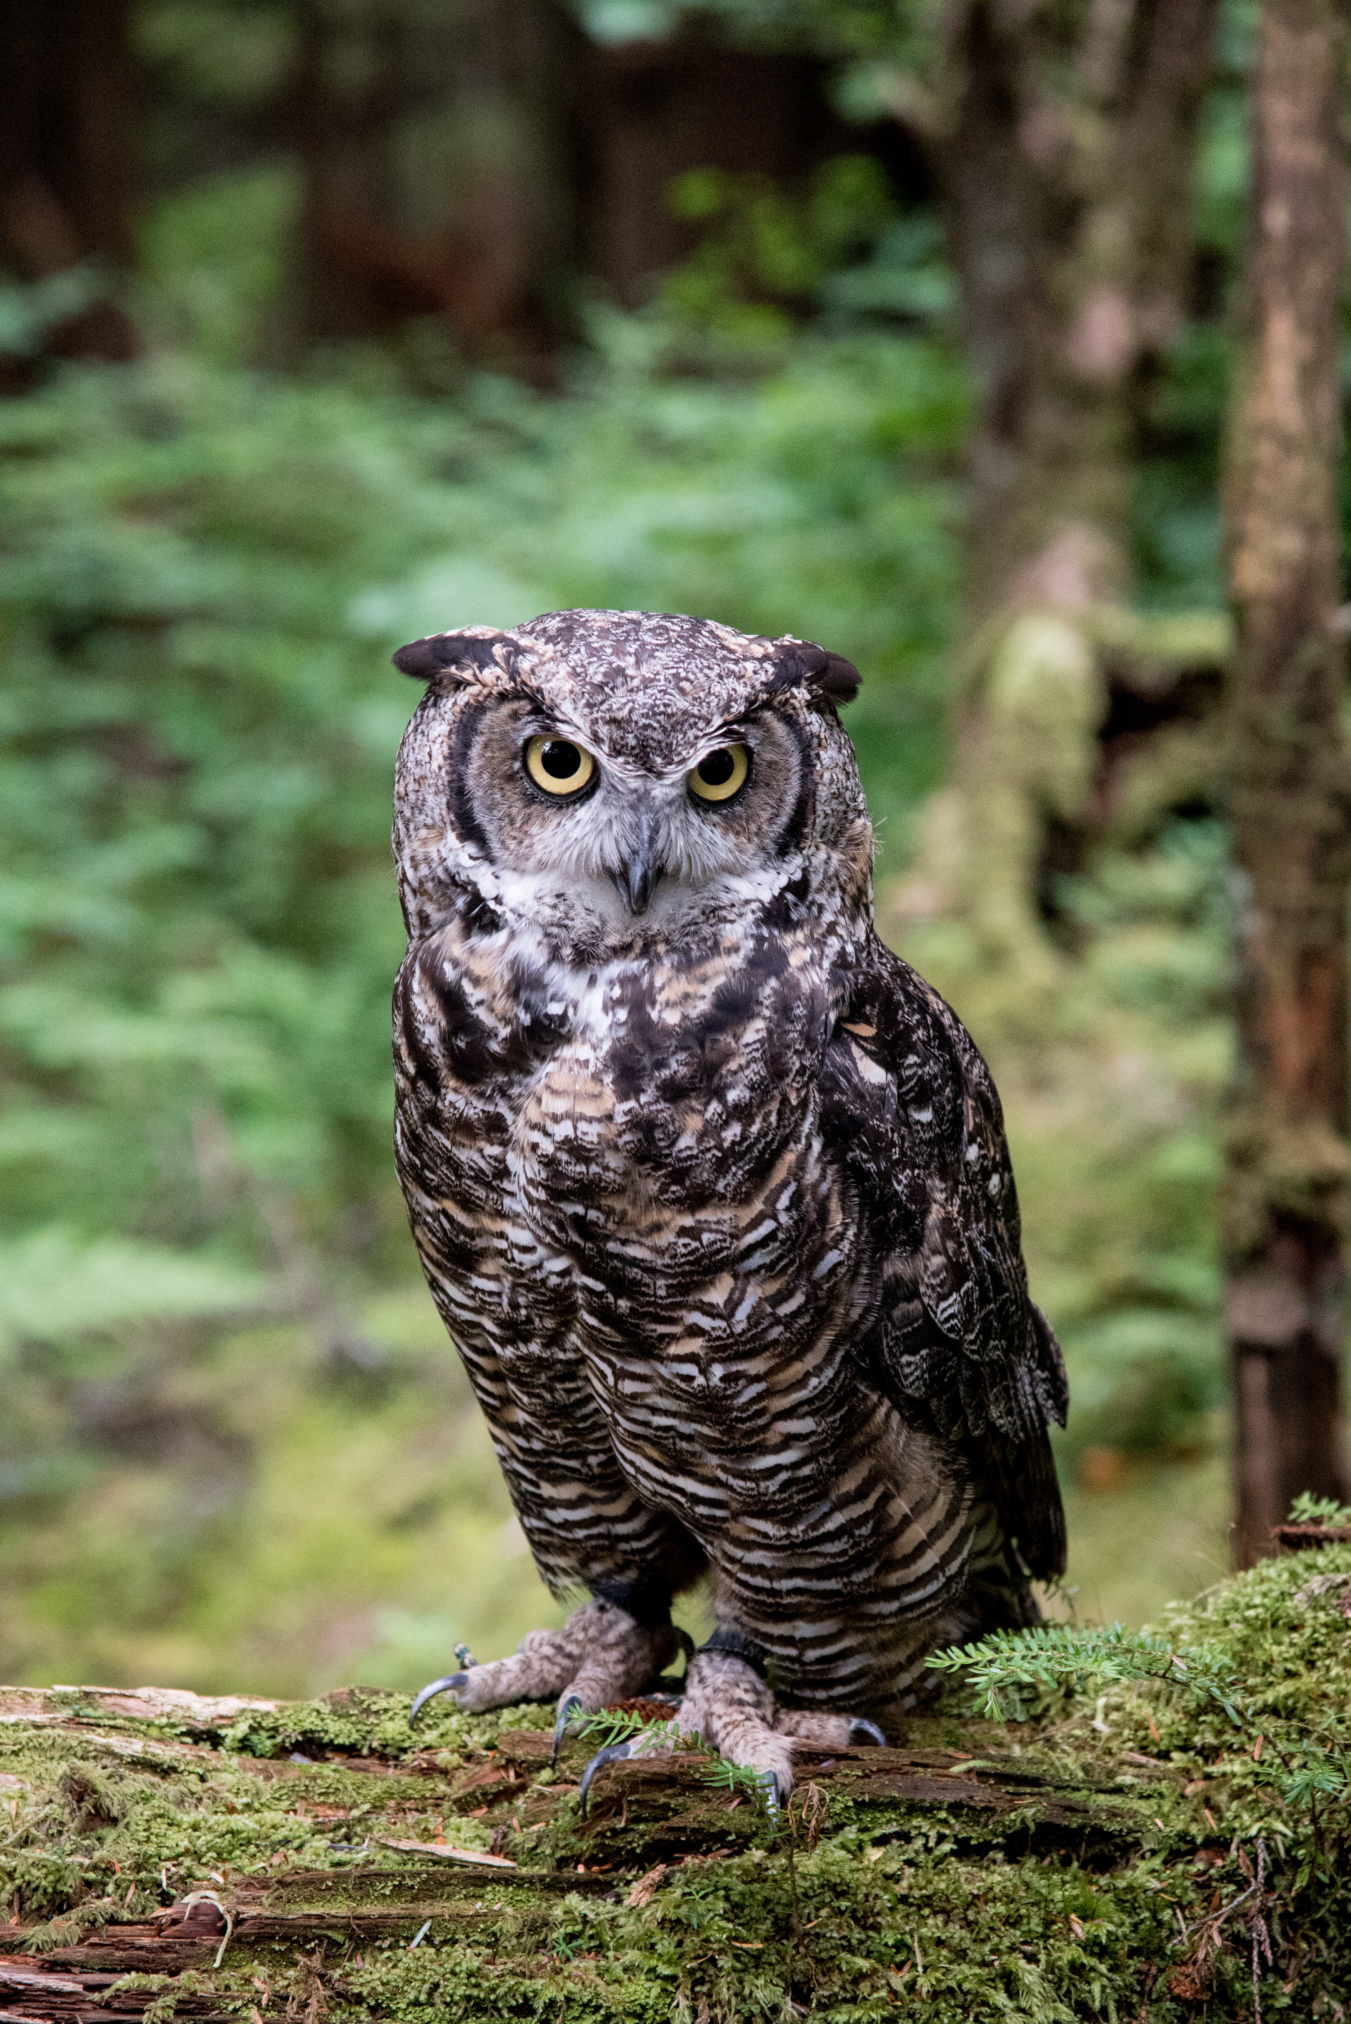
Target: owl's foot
(600, 1655)
(828, 1732)
(730, 1709)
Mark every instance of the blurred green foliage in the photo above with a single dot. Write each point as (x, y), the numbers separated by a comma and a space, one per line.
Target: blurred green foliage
(238, 1447)
(1141, 1328)
(239, 1452)
(841, 252)
(1111, 1095)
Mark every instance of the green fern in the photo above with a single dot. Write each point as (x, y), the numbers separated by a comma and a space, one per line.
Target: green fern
(1007, 1665)
(1310, 1510)
(53, 1284)
(1008, 1668)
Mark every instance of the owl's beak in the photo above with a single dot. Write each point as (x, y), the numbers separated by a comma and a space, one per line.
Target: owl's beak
(636, 879)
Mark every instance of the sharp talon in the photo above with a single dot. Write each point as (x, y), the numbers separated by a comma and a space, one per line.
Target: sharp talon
(448, 1685)
(465, 1656)
(866, 1732)
(611, 1754)
(768, 1781)
(571, 1704)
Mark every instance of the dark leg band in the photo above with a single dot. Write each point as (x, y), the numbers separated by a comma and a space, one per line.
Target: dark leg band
(737, 1647)
(647, 1602)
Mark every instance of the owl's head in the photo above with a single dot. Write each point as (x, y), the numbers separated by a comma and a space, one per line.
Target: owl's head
(602, 775)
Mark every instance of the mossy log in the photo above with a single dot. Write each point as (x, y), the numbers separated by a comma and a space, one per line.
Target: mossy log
(1127, 1854)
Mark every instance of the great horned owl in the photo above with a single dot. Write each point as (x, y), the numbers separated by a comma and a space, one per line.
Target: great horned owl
(710, 1188)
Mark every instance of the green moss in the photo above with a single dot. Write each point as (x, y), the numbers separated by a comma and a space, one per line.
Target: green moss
(1080, 1869)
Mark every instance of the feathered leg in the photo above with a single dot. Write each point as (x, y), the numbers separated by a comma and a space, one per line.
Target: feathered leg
(601, 1654)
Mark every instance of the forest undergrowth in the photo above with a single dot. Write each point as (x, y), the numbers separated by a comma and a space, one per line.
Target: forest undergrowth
(240, 1454)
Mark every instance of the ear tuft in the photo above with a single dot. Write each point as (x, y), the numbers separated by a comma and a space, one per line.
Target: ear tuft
(799, 664)
(452, 656)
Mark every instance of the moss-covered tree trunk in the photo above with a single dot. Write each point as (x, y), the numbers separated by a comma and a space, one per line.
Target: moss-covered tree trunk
(1151, 1852)
(1286, 1202)
(1066, 139)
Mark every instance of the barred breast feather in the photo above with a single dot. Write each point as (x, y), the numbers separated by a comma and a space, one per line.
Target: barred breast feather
(730, 1247)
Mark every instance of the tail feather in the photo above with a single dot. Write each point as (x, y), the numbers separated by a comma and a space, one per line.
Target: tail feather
(1020, 1480)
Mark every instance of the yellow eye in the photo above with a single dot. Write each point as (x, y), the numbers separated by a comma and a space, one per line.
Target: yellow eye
(557, 765)
(721, 774)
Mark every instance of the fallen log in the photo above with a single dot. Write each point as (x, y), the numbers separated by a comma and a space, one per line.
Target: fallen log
(1127, 1849)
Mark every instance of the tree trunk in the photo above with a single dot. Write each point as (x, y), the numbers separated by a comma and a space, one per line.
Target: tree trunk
(470, 162)
(66, 176)
(1066, 141)
(1286, 1197)
(433, 151)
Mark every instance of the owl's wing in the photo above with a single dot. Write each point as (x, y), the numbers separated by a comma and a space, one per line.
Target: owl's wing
(960, 1346)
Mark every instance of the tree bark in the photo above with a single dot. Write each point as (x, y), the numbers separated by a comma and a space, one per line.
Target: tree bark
(1286, 1196)
(1066, 140)
(66, 175)
(433, 149)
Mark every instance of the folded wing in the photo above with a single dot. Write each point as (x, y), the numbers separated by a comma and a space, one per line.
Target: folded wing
(958, 1344)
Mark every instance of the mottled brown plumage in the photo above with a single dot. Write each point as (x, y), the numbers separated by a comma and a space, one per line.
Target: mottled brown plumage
(710, 1188)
